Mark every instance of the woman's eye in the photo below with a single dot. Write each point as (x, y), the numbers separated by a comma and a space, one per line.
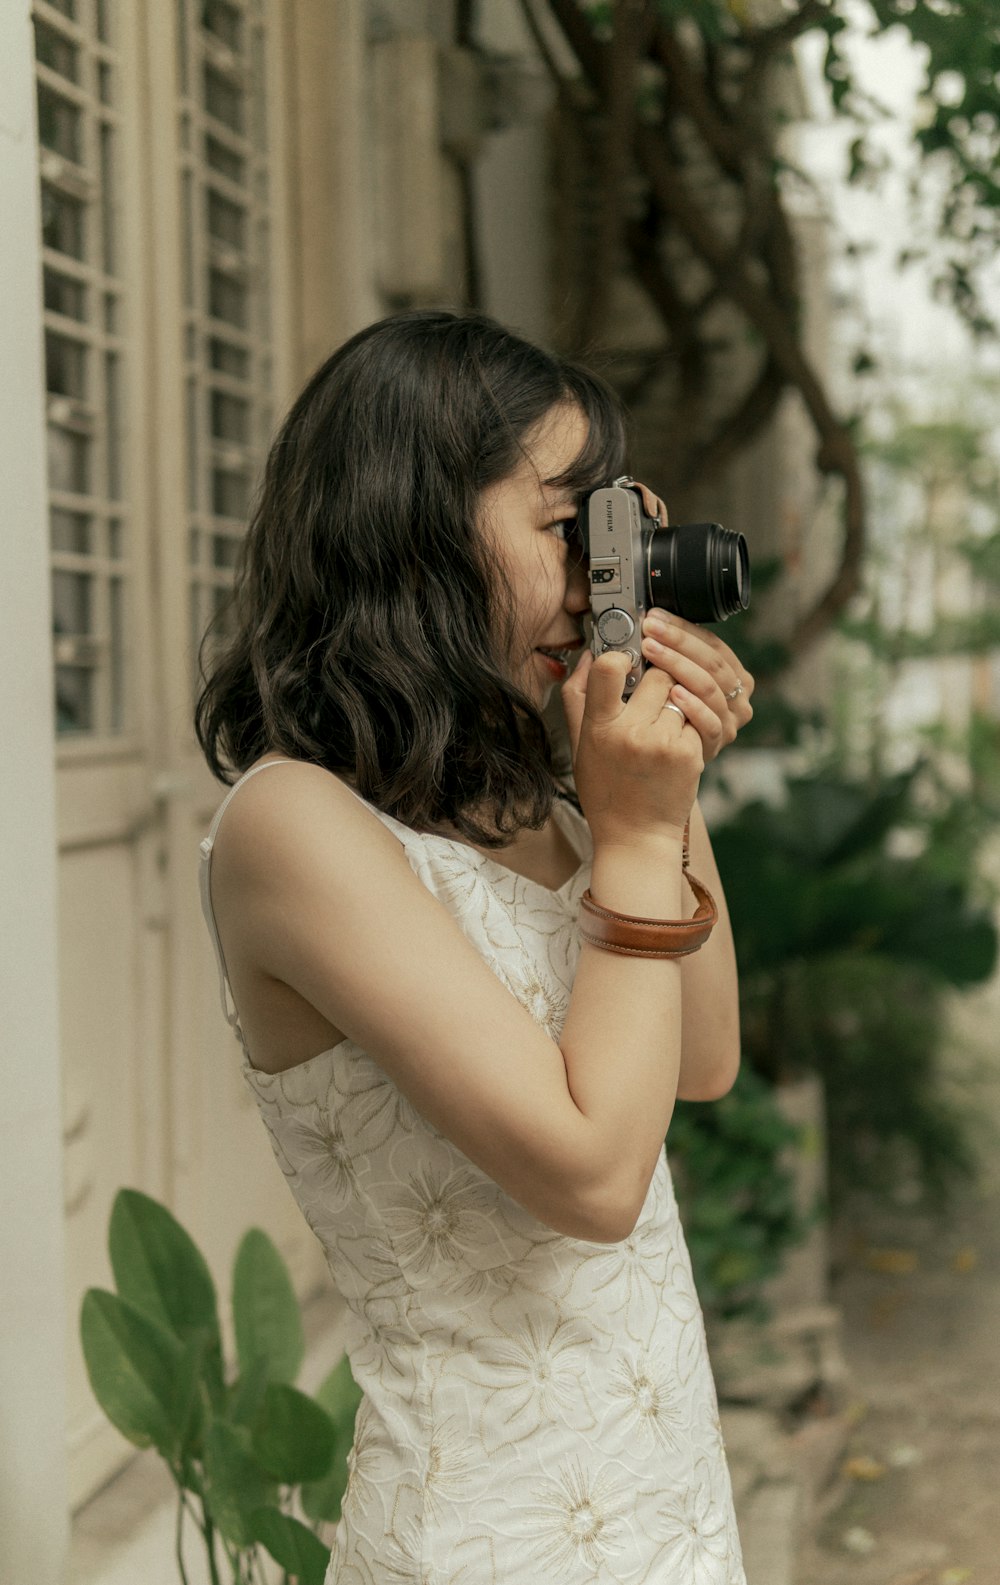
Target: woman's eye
(565, 528)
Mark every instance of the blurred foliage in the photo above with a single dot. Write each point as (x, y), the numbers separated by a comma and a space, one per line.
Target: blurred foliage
(848, 948)
(730, 1164)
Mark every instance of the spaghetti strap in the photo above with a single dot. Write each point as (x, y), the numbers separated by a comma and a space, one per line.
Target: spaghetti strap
(205, 886)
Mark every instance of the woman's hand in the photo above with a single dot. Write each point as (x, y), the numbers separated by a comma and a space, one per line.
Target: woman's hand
(705, 671)
(636, 766)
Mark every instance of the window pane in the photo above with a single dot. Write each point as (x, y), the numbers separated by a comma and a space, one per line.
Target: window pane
(74, 699)
(64, 295)
(222, 159)
(229, 417)
(62, 222)
(69, 455)
(105, 83)
(65, 366)
(224, 21)
(229, 493)
(70, 531)
(227, 358)
(115, 546)
(71, 593)
(223, 100)
(226, 220)
(56, 51)
(225, 550)
(58, 124)
(223, 613)
(104, 9)
(227, 299)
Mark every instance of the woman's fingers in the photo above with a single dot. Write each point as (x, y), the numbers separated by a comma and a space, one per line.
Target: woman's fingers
(574, 695)
(702, 717)
(706, 676)
(697, 644)
(604, 685)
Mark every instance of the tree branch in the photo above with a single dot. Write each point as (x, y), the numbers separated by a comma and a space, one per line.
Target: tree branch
(632, 25)
(739, 427)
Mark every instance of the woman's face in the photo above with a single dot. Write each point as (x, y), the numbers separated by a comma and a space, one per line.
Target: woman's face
(529, 522)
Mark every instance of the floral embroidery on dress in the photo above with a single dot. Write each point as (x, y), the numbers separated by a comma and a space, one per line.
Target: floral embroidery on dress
(536, 1408)
(576, 1521)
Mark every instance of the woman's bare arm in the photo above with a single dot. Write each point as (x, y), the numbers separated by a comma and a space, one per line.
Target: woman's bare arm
(314, 890)
(710, 1022)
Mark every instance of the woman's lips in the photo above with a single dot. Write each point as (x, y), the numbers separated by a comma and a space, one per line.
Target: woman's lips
(557, 668)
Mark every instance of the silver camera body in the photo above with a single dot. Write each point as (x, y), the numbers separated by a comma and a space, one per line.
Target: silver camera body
(614, 532)
(700, 571)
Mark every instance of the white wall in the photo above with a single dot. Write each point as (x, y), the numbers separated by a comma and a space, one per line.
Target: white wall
(33, 1516)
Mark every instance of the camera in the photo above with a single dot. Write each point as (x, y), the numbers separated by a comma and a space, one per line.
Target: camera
(700, 571)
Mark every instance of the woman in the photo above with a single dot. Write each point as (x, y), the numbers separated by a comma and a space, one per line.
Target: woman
(467, 1093)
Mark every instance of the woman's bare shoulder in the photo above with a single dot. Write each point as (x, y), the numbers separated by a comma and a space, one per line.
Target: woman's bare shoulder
(293, 814)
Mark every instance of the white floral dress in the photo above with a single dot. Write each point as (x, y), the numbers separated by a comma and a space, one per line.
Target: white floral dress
(536, 1408)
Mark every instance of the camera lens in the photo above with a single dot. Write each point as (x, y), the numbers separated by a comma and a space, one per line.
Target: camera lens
(700, 571)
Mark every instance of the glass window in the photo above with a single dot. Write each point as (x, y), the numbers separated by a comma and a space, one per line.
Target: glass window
(69, 460)
(229, 417)
(225, 21)
(56, 51)
(227, 358)
(85, 368)
(64, 295)
(70, 531)
(59, 124)
(65, 366)
(226, 220)
(71, 602)
(62, 222)
(223, 100)
(229, 493)
(228, 322)
(227, 298)
(74, 699)
(224, 160)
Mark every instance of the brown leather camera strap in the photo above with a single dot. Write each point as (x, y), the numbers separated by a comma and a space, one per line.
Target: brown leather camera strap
(636, 937)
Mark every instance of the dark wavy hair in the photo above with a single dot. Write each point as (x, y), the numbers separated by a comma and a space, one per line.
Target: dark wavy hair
(371, 627)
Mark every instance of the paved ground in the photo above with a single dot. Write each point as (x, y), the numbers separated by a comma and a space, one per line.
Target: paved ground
(920, 1499)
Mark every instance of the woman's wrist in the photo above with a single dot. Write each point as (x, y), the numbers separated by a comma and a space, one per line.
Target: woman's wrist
(642, 877)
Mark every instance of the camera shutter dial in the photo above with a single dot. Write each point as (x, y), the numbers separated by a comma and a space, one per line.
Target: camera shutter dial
(615, 626)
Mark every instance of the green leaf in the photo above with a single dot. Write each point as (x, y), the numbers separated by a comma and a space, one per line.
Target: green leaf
(340, 1396)
(189, 1409)
(247, 1393)
(295, 1548)
(137, 1370)
(293, 1438)
(235, 1484)
(160, 1270)
(266, 1314)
